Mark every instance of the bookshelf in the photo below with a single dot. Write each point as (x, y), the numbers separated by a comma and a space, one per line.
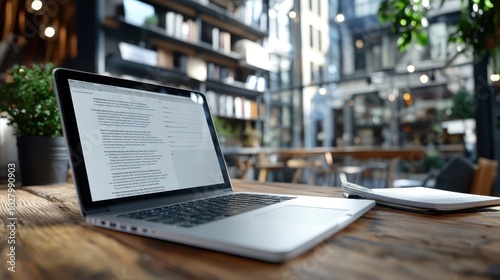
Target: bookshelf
(214, 46)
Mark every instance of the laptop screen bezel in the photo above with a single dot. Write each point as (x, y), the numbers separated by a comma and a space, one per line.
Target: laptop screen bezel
(70, 128)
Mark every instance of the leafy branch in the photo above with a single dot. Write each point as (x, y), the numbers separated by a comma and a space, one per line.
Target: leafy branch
(478, 28)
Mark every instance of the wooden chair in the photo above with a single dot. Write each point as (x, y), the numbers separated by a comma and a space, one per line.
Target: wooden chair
(484, 176)
(300, 165)
(353, 172)
(266, 165)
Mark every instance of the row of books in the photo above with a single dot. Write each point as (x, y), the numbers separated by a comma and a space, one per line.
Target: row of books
(250, 12)
(194, 67)
(216, 72)
(187, 30)
(236, 107)
(177, 27)
(221, 40)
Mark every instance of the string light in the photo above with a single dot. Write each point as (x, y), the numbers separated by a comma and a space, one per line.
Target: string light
(424, 79)
(36, 5)
(340, 18)
(49, 32)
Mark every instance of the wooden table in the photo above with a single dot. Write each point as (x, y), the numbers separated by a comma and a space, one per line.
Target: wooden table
(53, 242)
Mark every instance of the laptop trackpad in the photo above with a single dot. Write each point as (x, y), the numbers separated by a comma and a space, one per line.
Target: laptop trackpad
(302, 214)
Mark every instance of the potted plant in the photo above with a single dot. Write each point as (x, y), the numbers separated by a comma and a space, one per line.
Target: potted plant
(28, 97)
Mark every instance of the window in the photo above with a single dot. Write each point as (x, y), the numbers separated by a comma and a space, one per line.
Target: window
(319, 41)
(321, 73)
(313, 72)
(364, 8)
(311, 36)
(375, 53)
(359, 54)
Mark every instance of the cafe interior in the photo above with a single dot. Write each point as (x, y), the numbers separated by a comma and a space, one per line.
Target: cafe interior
(300, 90)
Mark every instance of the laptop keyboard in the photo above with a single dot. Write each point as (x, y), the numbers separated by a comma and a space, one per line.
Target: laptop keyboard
(198, 212)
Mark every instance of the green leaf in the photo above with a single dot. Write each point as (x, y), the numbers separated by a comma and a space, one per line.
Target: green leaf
(422, 38)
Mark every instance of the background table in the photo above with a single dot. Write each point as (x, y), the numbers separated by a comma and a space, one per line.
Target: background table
(53, 242)
(247, 159)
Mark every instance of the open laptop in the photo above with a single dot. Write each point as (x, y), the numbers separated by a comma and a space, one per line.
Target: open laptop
(147, 161)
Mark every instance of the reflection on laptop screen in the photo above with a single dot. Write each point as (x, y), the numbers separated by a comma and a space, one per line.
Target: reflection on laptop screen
(137, 142)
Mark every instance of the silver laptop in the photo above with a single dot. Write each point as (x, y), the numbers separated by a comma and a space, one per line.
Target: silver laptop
(147, 161)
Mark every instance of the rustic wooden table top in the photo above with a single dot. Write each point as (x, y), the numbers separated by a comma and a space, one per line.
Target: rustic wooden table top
(53, 242)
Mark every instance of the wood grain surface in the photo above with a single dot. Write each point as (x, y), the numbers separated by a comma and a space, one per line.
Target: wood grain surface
(53, 242)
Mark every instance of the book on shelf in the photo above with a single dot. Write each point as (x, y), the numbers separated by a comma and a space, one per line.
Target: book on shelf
(247, 109)
(213, 102)
(165, 59)
(184, 31)
(420, 198)
(238, 107)
(192, 31)
(234, 106)
(229, 106)
(225, 42)
(254, 112)
(170, 24)
(179, 19)
(178, 27)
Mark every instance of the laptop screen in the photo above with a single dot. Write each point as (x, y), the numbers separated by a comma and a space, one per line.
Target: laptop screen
(137, 142)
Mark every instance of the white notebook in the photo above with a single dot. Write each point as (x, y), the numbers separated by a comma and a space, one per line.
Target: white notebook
(421, 198)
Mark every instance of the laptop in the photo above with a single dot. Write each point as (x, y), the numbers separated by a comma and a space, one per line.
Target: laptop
(146, 160)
